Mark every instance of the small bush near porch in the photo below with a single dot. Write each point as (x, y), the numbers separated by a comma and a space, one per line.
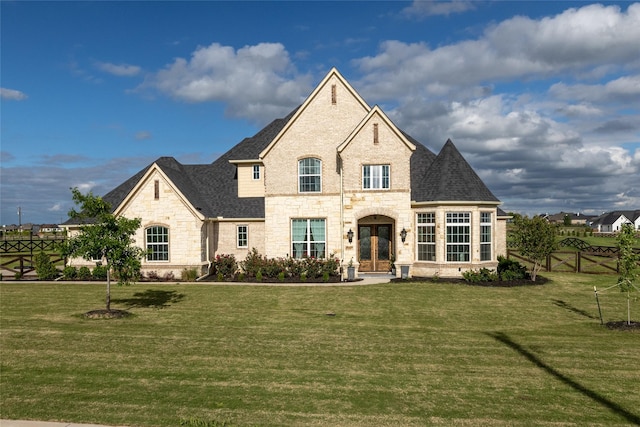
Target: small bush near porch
(408, 354)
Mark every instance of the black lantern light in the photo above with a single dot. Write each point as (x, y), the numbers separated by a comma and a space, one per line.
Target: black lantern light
(403, 235)
(350, 235)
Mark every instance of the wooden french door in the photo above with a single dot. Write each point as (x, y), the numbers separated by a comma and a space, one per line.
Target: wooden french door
(375, 246)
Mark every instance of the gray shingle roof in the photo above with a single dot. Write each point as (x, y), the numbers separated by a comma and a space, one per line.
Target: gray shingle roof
(450, 178)
(213, 188)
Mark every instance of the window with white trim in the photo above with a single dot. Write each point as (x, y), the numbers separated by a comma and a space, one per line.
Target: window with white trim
(375, 177)
(157, 238)
(458, 236)
(242, 236)
(309, 175)
(485, 236)
(256, 172)
(426, 236)
(308, 238)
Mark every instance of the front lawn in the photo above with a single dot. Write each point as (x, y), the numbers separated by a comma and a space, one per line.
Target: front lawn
(398, 354)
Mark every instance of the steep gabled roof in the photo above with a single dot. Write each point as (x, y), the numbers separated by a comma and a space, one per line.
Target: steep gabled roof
(450, 178)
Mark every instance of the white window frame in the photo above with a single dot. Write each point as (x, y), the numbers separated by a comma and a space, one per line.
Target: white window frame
(376, 177)
(308, 245)
(486, 236)
(458, 236)
(305, 177)
(242, 233)
(160, 242)
(256, 172)
(426, 236)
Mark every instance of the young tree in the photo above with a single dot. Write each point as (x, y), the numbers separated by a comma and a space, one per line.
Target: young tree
(535, 238)
(104, 236)
(627, 264)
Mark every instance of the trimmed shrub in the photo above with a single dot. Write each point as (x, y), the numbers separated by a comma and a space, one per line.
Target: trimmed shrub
(70, 272)
(44, 267)
(84, 273)
(509, 269)
(99, 272)
(189, 274)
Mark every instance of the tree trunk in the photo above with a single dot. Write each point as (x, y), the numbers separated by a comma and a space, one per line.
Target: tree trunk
(108, 289)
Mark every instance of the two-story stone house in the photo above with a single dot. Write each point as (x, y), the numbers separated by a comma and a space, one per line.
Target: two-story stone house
(334, 177)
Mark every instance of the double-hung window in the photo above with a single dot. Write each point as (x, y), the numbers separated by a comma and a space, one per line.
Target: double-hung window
(309, 175)
(375, 177)
(256, 172)
(458, 236)
(426, 236)
(157, 243)
(485, 236)
(308, 238)
(242, 236)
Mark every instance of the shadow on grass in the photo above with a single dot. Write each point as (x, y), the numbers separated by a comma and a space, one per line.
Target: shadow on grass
(151, 298)
(573, 309)
(612, 406)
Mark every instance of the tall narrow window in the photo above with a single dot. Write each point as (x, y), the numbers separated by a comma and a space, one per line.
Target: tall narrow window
(309, 175)
(334, 97)
(426, 236)
(308, 238)
(242, 232)
(485, 236)
(458, 236)
(157, 243)
(375, 133)
(156, 189)
(256, 172)
(375, 177)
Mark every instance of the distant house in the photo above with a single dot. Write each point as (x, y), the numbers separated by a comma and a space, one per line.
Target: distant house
(611, 222)
(335, 177)
(575, 218)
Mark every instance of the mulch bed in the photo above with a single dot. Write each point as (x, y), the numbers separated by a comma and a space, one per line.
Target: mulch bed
(106, 314)
(623, 326)
(540, 280)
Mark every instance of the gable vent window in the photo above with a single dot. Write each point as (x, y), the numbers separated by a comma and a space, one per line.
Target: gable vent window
(375, 133)
(333, 95)
(156, 190)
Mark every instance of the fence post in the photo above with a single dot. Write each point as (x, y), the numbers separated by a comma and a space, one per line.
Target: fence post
(578, 262)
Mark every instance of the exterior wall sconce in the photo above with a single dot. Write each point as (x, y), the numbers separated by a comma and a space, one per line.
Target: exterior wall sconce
(403, 235)
(350, 235)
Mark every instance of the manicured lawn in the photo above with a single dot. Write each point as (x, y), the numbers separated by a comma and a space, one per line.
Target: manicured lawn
(410, 354)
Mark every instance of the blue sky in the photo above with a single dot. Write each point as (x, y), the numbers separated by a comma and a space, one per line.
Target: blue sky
(542, 98)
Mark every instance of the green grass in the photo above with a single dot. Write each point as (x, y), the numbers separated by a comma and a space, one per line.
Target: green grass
(410, 354)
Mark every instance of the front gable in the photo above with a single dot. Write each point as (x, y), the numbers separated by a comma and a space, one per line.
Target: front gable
(322, 122)
(376, 141)
(156, 196)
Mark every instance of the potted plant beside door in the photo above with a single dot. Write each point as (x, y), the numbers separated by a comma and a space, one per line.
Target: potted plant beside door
(351, 271)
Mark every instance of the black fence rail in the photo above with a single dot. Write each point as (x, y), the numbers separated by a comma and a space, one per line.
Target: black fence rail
(31, 245)
(573, 262)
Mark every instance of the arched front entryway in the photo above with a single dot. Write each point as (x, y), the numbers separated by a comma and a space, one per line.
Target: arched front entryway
(376, 244)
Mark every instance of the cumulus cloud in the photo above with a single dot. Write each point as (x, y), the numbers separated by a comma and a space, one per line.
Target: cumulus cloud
(12, 94)
(558, 144)
(420, 8)
(256, 82)
(123, 70)
(516, 48)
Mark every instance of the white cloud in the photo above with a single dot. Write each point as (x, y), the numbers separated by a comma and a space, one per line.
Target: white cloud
(574, 41)
(124, 70)
(12, 94)
(257, 82)
(421, 8)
